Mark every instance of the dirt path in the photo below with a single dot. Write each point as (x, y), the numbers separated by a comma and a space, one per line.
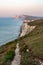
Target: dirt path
(17, 57)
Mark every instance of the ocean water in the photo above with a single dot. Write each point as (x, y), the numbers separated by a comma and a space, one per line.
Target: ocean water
(9, 29)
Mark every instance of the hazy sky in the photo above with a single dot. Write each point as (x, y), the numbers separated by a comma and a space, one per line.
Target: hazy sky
(13, 7)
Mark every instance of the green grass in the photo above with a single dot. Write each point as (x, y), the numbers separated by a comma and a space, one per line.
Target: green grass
(34, 42)
(7, 53)
(26, 57)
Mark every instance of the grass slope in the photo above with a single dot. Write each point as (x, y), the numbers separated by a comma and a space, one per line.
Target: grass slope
(34, 42)
(7, 53)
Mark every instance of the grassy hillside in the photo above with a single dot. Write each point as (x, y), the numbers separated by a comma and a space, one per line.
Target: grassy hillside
(7, 53)
(34, 42)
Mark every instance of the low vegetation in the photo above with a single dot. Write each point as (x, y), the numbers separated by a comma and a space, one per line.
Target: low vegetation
(7, 53)
(26, 56)
(34, 42)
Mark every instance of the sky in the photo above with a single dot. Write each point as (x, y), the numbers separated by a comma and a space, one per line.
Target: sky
(9, 8)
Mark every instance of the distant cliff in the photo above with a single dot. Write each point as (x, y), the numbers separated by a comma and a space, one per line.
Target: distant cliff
(27, 17)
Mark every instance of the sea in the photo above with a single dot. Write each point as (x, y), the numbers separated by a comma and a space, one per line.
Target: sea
(9, 29)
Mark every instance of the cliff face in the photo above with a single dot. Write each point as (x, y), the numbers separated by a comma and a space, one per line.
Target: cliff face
(26, 29)
(33, 42)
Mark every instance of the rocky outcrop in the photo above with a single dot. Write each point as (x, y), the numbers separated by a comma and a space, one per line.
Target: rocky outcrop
(26, 29)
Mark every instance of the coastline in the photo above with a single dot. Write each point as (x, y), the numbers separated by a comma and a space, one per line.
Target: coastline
(10, 30)
(12, 46)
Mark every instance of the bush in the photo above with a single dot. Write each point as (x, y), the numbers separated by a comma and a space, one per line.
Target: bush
(10, 55)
